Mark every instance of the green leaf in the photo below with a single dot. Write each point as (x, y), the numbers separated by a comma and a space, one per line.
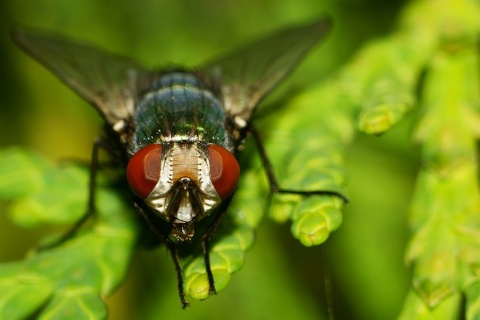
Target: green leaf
(472, 294)
(389, 91)
(22, 172)
(22, 293)
(69, 280)
(444, 251)
(415, 308)
(76, 304)
(306, 146)
(62, 202)
(315, 218)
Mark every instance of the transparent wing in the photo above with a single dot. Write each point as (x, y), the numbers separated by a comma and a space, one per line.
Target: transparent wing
(247, 75)
(110, 83)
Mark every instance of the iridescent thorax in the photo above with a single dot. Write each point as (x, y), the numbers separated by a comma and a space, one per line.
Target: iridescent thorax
(179, 107)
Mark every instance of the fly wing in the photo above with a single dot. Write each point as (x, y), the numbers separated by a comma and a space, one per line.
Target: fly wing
(110, 83)
(247, 75)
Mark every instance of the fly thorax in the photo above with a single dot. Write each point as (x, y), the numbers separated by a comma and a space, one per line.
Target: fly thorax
(184, 192)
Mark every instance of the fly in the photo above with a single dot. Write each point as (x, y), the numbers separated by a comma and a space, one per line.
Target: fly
(178, 132)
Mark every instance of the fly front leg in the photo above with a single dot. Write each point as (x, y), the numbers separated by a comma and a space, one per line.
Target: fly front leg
(208, 269)
(178, 270)
(171, 247)
(206, 241)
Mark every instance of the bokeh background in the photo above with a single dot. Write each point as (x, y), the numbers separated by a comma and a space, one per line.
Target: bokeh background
(281, 279)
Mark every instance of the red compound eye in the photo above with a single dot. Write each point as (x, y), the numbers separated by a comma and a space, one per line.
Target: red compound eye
(143, 170)
(224, 170)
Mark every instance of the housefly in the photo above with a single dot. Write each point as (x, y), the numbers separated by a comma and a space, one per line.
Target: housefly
(177, 131)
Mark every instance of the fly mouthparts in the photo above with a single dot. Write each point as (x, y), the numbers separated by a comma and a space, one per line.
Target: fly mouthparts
(182, 231)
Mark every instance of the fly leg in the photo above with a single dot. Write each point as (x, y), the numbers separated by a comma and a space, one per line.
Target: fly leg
(208, 269)
(173, 252)
(97, 145)
(274, 186)
(206, 239)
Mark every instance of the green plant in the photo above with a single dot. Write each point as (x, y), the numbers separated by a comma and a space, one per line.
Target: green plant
(427, 66)
(443, 251)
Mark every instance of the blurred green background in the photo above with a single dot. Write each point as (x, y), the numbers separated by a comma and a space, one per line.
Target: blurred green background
(281, 279)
